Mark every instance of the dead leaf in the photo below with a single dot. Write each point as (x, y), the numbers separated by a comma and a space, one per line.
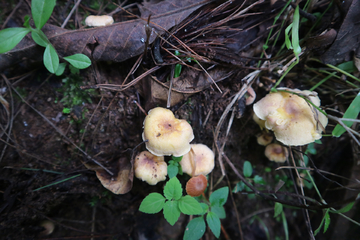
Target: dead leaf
(347, 39)
(117, 42)
(189, 82)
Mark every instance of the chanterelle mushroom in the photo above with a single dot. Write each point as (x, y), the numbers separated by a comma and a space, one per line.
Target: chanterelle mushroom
(294, 121)
(166, 135)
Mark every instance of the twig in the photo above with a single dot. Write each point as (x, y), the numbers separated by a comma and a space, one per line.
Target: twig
(71, 12)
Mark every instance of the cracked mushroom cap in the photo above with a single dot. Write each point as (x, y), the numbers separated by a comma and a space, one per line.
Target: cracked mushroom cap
(150, 168)
(166, 135)
(277, 153)
(200, 160)
(294, 121)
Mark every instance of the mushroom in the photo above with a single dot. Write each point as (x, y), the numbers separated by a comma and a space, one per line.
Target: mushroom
(277, 153)
(166, 135)
(294, 121)
(251, 95)
(259, 121)
(200, 160)
(196, 185)
(150, 168)
(264, 139)
(48, 228)
(99, 21)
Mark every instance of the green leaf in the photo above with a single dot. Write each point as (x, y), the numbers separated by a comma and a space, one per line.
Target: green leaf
(247, 170)
(39, 37)
(177, 159)
(219, 211)
(278, 209)
(66, 110)
(188, 205)
(172, 170)
(214, 223)
(51, 59)
(26, 21)
(295, 33)
(41, 11)
(79, 60)
(173, 189)
(195, 229)
(10, 37)
(327, 221)
(153, 203)
(219, 197)
(205, 207)
(258, 179)
(171, 212)
(352, 112)
(344, 209)
(60, 69)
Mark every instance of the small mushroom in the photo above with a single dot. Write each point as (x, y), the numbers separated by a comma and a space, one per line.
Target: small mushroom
(251, 95)
(196, 185)
(277, 153)
(166, 135)
(150, 168)
(48, 228)
(294, 121)
(264, 139)
(99, 21)
(200, 160)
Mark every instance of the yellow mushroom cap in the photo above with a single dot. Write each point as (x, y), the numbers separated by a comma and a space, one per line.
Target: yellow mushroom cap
(99, 21)
(150, 168)
(292, 119)
(203, 158)
(275, 152)
(166, 135)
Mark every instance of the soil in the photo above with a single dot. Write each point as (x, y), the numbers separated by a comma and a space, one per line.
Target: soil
(47, 170)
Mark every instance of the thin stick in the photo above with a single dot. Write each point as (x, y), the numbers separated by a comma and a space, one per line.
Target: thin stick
(71, 12)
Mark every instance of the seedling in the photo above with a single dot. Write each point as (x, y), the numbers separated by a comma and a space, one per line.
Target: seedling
(41, 11)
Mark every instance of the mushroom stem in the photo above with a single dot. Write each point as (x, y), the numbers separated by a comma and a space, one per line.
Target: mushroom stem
(192, 161)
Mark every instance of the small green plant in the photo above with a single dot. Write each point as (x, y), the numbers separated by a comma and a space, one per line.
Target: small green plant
(173, 203)
(294, 27)
(248, 172)
(41, 11)
(174, 167)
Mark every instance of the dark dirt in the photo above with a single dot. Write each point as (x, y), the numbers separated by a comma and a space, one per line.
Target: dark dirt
(35, 154)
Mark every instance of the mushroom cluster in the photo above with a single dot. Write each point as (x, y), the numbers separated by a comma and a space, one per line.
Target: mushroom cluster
(166, 135)
(293, 120)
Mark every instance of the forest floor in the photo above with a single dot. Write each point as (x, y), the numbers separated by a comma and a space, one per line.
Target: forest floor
(58, 133)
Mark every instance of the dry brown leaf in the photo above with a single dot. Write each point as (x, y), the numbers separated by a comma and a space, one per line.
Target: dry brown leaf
(117, 42)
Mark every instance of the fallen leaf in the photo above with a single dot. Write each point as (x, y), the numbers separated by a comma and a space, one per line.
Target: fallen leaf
(117, 42)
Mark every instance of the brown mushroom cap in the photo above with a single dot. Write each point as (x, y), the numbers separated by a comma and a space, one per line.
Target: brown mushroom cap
(264, 139)
(166, 135)
(203, 158)
(196, 185)
(150, 168)
(275, 152)
(292, 119)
